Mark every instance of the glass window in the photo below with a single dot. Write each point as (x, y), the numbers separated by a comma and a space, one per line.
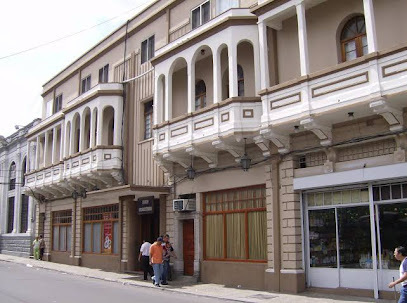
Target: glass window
(96, 237)
(116, 237)
(55, 238)
(10, 217)
(148, 120)
(393, 232)
(224, 5)
(104, 74)
(57, 104)
(61, 223)
(200, 95)
(62, 238)
(87, 246)
(12, 178)
(147, 49)
(24, 214)
(322, 238)
(353, 39)
(85, 84)
(201, 15)
(240, 81)
(240, 215)
(68, 238)
(354, 237)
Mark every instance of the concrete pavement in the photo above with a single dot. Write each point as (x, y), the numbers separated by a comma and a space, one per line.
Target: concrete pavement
(187, 287)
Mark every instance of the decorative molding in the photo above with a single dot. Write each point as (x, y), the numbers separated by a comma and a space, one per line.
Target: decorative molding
(107, 156)
(75, 164)
(284, 101)
(281, 141)
(263, 144)
(224, 117)
(161, 137)
(248, 113)
(179, 131)
(211, 158)
(235, 151)
(392, 115)
(333, 86)
(324, 133)
(204, 123)
(86, 160)
(393, 70)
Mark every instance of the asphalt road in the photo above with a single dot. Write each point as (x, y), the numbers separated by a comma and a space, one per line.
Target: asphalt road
(22, 284)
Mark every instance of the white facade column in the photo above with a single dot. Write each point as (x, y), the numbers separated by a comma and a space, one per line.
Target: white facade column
(370, 26)
(191, 86)
(17, 194)
(232, 52)
(45, 149)
(82, 132)
(257, 66)
(99, 128)
(264, 56)
(158, 101)
(28, 156)
(37, 154)
(30, 223)
(118, 114)
(62, 143)
(54, 146)
(217, 77)
(72, 140)
(302, 38)
(92, 128)
(168, 97)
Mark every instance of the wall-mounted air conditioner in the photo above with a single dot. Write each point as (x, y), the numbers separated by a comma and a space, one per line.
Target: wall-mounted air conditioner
(184, 204)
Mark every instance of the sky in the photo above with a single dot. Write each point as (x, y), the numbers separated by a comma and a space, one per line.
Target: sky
(26, 24)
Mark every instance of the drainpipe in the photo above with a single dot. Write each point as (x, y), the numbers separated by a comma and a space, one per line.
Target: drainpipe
(275, 181)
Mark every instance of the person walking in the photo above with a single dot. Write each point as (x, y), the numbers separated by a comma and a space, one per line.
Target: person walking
(42, 247)
(36, 247)
(168, 251)
(156, 260)
(144, 258)
(400, 253)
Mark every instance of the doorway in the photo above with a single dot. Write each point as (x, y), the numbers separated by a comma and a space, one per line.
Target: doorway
(188, 247)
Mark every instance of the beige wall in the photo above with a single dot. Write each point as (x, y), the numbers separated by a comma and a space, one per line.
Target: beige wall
(69, 89)
(180, 13)
(179, 93)
(246, 60)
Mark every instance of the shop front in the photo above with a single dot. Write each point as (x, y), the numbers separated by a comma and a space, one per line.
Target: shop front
(351, 233)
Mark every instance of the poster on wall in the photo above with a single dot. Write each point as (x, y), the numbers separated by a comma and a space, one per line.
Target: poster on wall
(107, 234)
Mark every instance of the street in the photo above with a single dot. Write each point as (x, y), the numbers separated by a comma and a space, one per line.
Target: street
(23, 284)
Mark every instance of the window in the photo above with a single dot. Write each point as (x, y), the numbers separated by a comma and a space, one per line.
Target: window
(48, 108)
(148, 120)
(24, 214)
(224, 5)
(12, 179)
(57, 104)
(61, 230)
(200, 15)
(104, 74)
(235, 225)
(200, 95)
(353, 39)
(240, 81)
(85, 84)
(10, 215)
(101, 229)
(147, 49)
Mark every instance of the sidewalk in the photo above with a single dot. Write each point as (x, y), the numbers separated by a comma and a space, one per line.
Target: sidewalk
(185, 286)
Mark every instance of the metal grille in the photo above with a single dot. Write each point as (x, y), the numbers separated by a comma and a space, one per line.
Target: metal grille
(392, 191)
(62, 217)
(101, 213)
(311, 159)
(367, 150)
(24, 214)
(10, 221)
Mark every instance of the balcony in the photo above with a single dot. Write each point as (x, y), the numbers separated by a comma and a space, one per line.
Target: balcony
(202, 133)
(373, 84)
(96, 168)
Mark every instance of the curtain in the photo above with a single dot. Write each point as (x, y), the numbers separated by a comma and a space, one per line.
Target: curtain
(214, 236)
(235, 224)
(257, 235)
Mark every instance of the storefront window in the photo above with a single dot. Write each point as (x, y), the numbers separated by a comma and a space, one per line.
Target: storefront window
(101, 228)
(61, 230)
(237, 217)
(393, 232)
(355, 249)
(322, 237)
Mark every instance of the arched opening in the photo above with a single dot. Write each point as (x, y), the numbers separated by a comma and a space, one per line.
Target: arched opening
(353, 39)
(12, 176)
(245, 69)
(200, 95)
(108, 126)
(179, 75)
(76, 133)
(86, 130)
(224, 63)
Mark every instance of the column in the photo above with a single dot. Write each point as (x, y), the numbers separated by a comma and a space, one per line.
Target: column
(168, 97)
(191, 87)
(62, 143)
(99, 128)
(28, 156)
(17, 193)
(30, 215)
(302, 38)
(92, 129)
(82, 132)
(232, 52)
(118, 114)
(54, 146)
(37, 154)
(264, 56)
(370, 25)
(217, 77)
(257, 66)
(158, 102)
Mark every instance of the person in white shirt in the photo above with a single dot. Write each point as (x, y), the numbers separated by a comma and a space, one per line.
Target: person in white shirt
(144, 258)
(400, 253)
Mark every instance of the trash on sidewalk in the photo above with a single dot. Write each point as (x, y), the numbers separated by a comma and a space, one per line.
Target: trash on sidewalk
(29, 265)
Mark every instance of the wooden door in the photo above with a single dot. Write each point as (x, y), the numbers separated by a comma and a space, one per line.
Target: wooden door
(188, 244)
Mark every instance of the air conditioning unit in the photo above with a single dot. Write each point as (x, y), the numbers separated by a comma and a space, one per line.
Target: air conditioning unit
(184, 204)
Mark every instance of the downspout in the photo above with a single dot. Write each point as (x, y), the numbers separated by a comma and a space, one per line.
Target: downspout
(275, 180)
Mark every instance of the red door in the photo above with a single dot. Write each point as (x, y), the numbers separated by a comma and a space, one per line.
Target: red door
(188, 238)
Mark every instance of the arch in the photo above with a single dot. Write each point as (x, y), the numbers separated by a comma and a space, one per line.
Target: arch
(68, 138)
(86, 128)
(108, 125)
(76, 133)
(178, 93)
(23, 170)
(200, 94)
(352, 39)
(224, 65)
(246, 74)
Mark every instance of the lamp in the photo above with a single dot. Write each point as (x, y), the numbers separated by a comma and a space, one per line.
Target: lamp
(351, 115)
(245, 161)
(296, 129)
(76, 195)
(191, 171)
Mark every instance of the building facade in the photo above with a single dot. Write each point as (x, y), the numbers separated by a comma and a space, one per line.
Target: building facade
(17, 209)
(278, 126)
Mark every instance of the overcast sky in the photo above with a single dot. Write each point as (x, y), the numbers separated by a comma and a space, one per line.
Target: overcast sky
(25, 24)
